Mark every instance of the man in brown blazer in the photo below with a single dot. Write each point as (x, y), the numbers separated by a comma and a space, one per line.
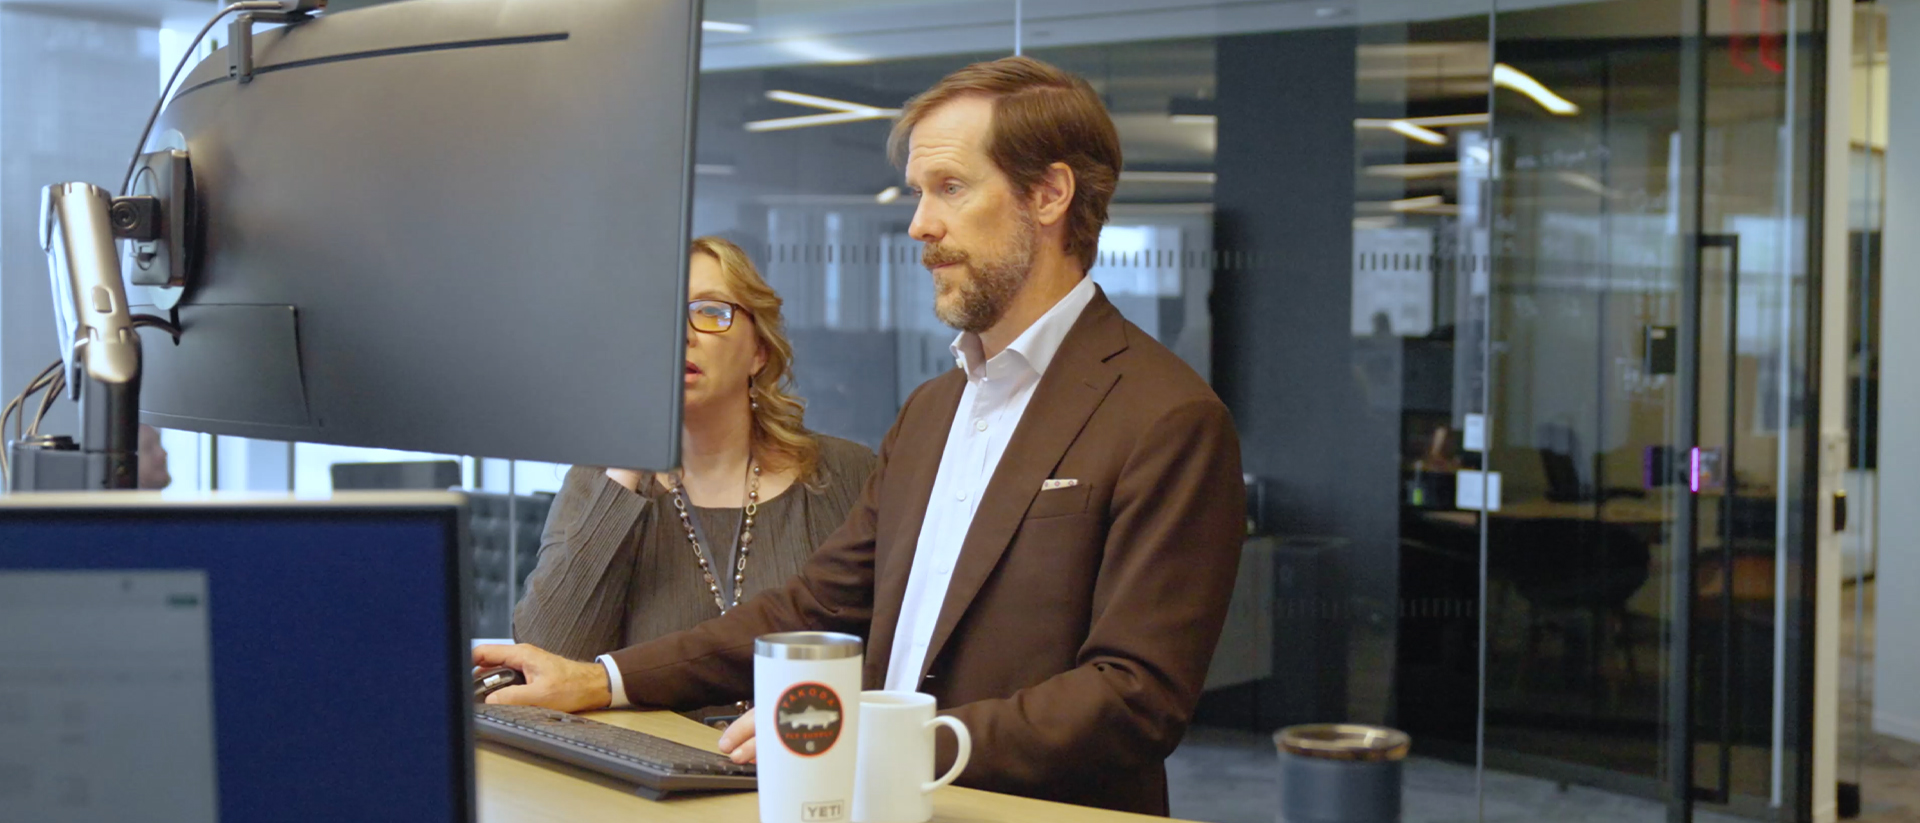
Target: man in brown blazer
(1050, 539)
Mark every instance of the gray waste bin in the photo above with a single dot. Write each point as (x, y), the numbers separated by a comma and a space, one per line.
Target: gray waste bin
(1340, 773)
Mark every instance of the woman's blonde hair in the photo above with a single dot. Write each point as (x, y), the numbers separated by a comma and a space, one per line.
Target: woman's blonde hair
(780, 436)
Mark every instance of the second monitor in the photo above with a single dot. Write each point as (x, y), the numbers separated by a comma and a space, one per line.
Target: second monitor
(234, 660)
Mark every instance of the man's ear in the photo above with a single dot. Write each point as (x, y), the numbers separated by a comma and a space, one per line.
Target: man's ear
(1052, 194)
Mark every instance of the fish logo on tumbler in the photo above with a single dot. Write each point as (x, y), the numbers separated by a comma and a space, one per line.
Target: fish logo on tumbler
(809, 719)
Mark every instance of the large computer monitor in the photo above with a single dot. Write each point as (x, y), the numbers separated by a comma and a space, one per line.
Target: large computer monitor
(455, 226)
(234, 661)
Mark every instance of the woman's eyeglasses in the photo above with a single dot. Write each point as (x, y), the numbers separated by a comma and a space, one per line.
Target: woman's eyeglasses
(713, 316)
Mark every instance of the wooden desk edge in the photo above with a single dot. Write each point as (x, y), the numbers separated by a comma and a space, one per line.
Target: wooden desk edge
(513, 786)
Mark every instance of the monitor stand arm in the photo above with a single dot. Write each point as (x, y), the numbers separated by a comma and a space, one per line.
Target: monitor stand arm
(100, 346)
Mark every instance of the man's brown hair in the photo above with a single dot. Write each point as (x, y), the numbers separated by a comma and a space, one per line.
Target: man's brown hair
(1041, 116)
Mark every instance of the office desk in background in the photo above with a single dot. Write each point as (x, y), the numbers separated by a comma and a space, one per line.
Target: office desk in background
(516, 787)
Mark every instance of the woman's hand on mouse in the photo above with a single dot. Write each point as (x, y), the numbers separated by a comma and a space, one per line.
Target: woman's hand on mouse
(553, 682)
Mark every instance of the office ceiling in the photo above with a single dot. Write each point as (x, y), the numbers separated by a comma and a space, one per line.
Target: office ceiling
(791, 32)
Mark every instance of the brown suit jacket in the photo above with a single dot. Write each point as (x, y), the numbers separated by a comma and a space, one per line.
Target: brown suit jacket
(1079, 621)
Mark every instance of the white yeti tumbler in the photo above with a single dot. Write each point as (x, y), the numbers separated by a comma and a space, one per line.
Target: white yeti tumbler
(806, 712)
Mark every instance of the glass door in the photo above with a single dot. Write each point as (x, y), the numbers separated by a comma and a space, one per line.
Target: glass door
(1646, 448)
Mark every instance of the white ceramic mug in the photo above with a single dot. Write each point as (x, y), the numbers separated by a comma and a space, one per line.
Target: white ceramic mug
(806, 719)
(893, 781)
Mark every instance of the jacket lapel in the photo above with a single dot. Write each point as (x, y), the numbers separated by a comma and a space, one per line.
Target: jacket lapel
(915, 464)
(1073, 387)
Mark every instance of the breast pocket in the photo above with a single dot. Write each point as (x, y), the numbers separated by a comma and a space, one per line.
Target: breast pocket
(1059, 502)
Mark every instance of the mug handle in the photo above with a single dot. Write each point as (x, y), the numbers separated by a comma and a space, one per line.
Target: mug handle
(960, 759)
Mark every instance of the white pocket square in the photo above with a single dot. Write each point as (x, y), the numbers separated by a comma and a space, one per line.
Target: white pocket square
(1059, 484)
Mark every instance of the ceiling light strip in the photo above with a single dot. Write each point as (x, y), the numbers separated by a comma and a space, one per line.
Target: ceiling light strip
(1404, 128)
(1409, 171)
(815, 101)
(826, 119)
(1506, 76)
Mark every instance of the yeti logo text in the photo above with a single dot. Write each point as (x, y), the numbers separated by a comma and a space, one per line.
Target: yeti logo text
(808, 719)
(830, 810)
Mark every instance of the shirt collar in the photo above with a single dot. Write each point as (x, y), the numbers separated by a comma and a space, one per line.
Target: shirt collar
(1038, 344)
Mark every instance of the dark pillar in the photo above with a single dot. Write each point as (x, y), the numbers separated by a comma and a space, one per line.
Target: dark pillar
(1317, 408)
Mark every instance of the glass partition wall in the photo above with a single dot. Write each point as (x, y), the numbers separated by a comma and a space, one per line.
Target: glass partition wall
(1648, 372)
(1510, 301)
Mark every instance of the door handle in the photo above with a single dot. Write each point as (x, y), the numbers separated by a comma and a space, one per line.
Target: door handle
(1840, 510)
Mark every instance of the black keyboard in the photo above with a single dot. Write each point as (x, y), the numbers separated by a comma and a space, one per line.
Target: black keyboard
(655, 766)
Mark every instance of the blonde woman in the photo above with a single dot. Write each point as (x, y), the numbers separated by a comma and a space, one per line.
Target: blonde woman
(629, 555)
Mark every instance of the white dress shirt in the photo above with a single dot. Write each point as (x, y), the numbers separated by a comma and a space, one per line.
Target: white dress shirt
(990, 409)
(617, 689)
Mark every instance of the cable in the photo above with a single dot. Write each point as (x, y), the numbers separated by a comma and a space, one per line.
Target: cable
(40, 381)
(53, 380)
(46, 402)
(185, 58)
(149, 321)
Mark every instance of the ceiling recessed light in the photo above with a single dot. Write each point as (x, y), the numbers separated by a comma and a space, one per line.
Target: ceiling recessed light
(1420, 133)
(822, 119)
(815, 101)
(1404, 128)
(1479, 119)
(721, 25)
(838, 111)
(1506, 76)
(887, 195)
(1196, 119)
(818, 51)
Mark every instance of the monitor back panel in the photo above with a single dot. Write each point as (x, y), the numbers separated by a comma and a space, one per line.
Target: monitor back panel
(453, 226)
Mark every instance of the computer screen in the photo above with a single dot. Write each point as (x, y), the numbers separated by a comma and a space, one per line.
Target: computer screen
(452, 226)
(233, 662)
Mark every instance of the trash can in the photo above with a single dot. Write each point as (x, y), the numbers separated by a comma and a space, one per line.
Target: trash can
(1340, 773)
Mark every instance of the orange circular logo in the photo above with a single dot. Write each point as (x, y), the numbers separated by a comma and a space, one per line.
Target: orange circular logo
(808, 719)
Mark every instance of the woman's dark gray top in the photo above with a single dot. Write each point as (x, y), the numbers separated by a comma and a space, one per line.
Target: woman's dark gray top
(616, 568)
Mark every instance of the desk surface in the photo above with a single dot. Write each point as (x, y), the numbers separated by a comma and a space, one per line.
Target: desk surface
(514, 786)
(1625, 512)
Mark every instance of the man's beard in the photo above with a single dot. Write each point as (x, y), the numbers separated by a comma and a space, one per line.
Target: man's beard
(980, 302)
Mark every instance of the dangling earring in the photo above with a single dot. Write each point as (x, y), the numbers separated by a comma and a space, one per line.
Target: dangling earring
(753, 404)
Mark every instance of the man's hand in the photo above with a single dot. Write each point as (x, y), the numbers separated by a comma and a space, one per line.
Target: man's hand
(553, 682)
(737, 741)
(152, 460)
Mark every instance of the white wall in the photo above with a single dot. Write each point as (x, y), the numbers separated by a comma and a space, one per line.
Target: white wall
(1896, 709)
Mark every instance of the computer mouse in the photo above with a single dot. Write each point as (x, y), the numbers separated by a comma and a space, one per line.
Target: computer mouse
(492, 679)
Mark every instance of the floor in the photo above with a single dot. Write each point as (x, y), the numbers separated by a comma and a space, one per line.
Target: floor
(1226, 776)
